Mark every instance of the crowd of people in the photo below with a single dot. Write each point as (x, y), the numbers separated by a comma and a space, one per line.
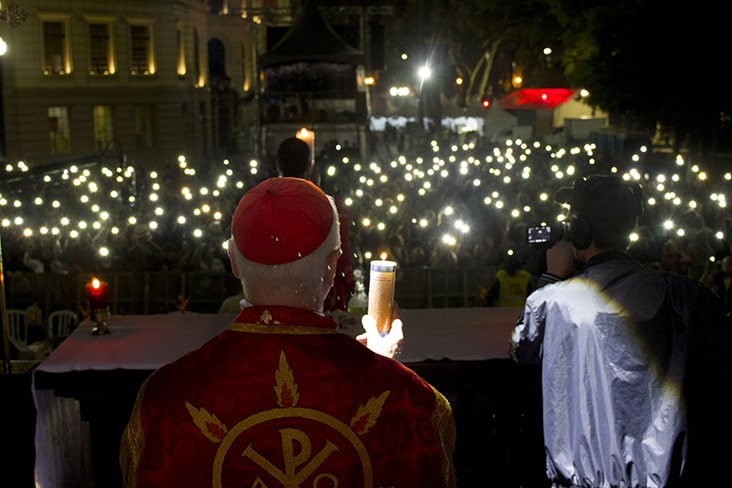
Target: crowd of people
(443, 205)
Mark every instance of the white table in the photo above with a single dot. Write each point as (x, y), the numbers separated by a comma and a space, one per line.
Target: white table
(149, 341)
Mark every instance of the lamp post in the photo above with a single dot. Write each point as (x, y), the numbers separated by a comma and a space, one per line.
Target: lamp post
(4, 323)
(424, 74)
(14, 15)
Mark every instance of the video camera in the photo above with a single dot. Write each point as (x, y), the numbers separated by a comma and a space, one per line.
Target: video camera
(544, 234)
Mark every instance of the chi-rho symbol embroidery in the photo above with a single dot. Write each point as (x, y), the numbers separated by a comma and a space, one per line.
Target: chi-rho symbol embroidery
(290, 446)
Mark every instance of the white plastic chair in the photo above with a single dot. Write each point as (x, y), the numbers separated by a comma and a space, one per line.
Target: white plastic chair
(18, 325)
(61, 323)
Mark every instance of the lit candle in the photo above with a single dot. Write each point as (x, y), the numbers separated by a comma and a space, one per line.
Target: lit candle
(381, 292)
(309, 137)
(97, 292)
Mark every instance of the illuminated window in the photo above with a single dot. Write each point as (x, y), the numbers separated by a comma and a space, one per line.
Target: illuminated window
(144, 125)
(55, 48)
(103, 130)
(247, 81)
(180, 41)
(101, 54)
(197, 60)
(142, 56)
(59, 129)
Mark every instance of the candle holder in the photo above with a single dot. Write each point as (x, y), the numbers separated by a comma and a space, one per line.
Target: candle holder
(100, 316)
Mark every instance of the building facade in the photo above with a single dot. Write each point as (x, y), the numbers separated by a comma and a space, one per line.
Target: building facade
(146, 81)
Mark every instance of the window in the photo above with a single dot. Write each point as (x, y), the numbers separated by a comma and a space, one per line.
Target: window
(103, 130)
(144, 125)
(219, 7)
(55, 48)
(101, 54)
(180, 40)
(197, 60)
(142, 61)
(247, 81)
(59, 129)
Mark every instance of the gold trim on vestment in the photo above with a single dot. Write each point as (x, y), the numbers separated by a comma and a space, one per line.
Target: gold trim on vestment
(281, 329)
(443, 422)
(133, 442)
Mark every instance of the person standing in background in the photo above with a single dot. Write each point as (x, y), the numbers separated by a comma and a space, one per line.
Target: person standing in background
(512, 285)
(719, 281)
(293, 160)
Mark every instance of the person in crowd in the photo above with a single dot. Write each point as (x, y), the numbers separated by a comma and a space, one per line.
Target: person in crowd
(443, 257)
(511, 286)
(719, 280)
(631, 358)
(281, 398)
(144, 254)
(232, 303)
(673, 260)
(208, 269)
(205, 258)
(293, 160)
(697, 243)
(32, 257)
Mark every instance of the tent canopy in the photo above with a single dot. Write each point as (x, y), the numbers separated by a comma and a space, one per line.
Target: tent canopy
(311, 38)
(535, 98)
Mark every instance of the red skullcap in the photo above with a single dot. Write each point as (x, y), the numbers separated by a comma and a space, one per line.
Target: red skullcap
(281, 220)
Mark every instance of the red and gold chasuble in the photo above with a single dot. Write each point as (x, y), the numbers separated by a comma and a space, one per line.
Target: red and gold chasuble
(282, 399)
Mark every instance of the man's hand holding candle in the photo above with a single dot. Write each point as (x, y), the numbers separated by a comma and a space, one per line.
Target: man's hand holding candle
(387, 344)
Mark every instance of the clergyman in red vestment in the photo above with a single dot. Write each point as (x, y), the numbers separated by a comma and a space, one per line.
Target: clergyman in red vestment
(281, 398)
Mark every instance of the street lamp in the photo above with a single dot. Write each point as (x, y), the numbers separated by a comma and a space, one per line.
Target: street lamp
(424, 73)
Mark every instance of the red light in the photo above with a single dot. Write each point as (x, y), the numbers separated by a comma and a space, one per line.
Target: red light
(486, 103)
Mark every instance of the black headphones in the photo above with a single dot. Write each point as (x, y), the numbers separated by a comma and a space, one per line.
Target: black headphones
(585, 210)
(579, 231)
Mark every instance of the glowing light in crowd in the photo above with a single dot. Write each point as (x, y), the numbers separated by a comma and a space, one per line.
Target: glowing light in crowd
(447, 195)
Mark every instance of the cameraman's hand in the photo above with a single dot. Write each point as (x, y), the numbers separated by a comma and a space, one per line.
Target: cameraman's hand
(560, 259)
(390, 344)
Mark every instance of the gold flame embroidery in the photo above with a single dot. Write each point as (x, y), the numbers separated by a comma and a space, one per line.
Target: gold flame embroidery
(208, 424)
(367, 414)
(285, 387)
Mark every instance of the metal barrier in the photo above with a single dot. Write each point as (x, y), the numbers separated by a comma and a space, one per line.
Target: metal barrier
(203, 292)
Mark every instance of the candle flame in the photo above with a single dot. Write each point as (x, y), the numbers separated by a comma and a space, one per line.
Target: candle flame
(305, 135)
(96, 283)
(383, 256)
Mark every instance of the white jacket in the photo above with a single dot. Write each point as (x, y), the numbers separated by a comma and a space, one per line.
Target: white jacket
(623, 349)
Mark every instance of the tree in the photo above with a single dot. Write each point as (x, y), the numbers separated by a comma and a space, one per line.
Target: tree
(649, 63)
(482, 41)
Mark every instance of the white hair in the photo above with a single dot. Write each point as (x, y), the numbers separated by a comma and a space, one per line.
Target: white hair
(295, 284)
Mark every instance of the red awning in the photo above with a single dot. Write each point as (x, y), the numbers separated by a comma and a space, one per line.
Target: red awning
(535, 98)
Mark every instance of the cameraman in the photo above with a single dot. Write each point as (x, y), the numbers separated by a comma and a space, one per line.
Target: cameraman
(631, 358)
